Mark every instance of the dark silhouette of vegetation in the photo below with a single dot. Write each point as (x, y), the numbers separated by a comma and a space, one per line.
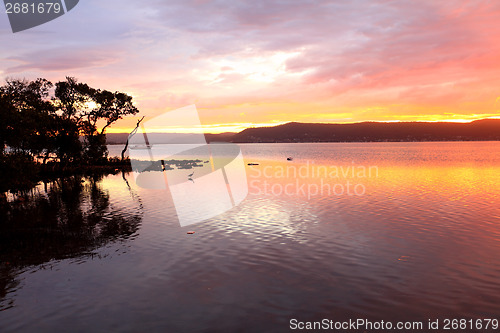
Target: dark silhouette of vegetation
(50, 129)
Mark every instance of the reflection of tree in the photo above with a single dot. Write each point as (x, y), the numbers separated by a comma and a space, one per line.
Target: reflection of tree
(7, 283)
(72, 217)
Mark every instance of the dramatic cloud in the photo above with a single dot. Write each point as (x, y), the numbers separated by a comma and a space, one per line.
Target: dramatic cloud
(260, 62)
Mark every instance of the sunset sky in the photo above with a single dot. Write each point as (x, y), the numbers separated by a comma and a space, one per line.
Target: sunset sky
(254, 63)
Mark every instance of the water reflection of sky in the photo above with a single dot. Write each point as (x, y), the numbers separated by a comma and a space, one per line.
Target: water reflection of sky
(422, 242)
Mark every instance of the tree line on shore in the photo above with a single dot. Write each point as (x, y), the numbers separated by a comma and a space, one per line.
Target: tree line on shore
(46, 127)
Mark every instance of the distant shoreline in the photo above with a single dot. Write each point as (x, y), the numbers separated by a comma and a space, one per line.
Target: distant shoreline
(479, 130)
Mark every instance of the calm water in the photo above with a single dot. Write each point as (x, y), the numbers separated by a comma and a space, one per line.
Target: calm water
(383, 231)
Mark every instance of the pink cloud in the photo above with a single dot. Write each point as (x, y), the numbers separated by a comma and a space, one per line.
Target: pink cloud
(62, 60)
(349, 56)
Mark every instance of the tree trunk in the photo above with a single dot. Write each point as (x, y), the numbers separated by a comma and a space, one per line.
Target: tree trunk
(131, 133)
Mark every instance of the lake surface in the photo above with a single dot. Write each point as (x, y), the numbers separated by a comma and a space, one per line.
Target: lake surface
(379, 231)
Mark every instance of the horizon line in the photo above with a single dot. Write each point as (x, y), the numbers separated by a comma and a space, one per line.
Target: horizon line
(213, 129)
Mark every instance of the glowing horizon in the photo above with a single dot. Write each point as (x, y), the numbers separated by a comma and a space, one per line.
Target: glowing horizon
(236, 128)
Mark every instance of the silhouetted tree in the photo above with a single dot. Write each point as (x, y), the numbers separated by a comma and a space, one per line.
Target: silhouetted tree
(25, 117)
(90, 109)
(29, 112)
(39, 124)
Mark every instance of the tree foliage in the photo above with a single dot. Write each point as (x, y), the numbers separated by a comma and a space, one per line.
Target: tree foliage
(63, 123)
(93, 111)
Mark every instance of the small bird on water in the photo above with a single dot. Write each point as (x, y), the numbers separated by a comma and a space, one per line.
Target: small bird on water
(190, 177)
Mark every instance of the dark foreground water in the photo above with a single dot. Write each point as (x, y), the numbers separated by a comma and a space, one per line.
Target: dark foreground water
(376, 231)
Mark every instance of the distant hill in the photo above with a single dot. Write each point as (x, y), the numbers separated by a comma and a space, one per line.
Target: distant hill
(116, 138)
(479, 130)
